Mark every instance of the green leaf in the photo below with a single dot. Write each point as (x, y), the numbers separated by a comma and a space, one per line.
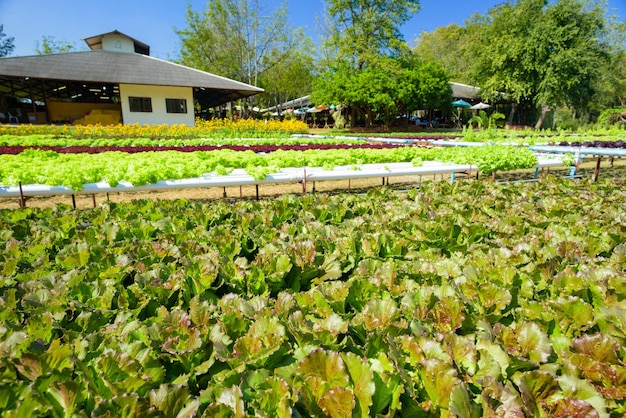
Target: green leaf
(579, 389)
(66, 397)
(128, 405)
(174, 401)
(362, 381)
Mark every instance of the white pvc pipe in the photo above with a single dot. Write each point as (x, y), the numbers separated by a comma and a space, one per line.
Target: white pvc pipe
(580, 150)
(239, 178)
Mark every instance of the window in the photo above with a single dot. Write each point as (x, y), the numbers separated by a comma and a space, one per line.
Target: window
(176, 105)
(140, 104)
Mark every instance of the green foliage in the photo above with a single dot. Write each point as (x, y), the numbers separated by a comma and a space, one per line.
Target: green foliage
(610, 117)
(7, 43)
(548, 54)
(385, 88)
(485, 121)
(51, 45)
(239, 39)
(471, 299)
(565, 120)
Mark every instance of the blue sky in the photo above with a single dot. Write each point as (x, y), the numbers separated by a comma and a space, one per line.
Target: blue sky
(153, 21)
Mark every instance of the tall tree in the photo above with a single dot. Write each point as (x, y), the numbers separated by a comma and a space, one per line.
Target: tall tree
(366, 73)
(51, 45)
(451, 47)
(547, 54)
(363, 30)
(238, 39)
(7, 44)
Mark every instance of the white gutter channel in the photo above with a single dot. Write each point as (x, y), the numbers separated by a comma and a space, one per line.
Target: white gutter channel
(239, 178)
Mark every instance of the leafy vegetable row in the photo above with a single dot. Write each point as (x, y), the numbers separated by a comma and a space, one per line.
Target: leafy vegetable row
(82, 149)
(470, 299)
(74, 170)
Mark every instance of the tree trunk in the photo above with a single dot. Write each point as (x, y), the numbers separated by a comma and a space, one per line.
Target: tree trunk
(544, 112)
(511, 114)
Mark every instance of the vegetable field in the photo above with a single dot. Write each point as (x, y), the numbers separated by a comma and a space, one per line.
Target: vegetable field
(470, 299)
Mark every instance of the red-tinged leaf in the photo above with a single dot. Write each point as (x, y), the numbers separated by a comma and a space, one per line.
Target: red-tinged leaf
(573, 408)
(500, 400)
(597, 346)
(380, 314)
(66, 397)
(337, 402)
(535, 387)
(575, 388)
(125, 406)
(28, 366)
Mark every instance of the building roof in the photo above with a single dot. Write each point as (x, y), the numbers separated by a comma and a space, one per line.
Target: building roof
(120, 68)
(95, 42)
(297, 103)
(464, 91)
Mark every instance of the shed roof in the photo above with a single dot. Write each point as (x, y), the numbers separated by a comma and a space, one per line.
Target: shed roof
(121, 68)
(464, 91)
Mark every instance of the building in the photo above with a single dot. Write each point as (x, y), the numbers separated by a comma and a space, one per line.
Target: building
(116, 81)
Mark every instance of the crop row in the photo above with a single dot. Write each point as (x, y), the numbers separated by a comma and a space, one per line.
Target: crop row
(619, 144)
(472, 299)
(73, 170)
(82, 149)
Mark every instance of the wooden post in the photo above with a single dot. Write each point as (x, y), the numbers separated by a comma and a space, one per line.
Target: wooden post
(74, 201)
(257, 191)
(22, 198)
(93, 197)
(240, 192)
(304, 181)
(596, 173)
(224, 194)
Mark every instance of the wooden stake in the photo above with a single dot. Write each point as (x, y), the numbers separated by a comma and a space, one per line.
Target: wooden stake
(596, 173)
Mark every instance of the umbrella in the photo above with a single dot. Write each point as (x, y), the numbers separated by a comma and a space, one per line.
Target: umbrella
(480, 106)
(461, 103)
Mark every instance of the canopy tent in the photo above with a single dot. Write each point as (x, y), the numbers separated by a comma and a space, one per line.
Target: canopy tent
(461, 103)
(480, 106)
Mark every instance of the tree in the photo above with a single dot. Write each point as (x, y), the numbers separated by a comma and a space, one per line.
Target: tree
(546, 54)
(50, 45)
(385, 89)
(7, 44)
(237, 39)
(363, 30)
(289, 79)
(449, 46)
(367, 72)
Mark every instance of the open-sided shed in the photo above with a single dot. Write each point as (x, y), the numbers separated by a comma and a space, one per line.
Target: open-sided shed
(117, 74)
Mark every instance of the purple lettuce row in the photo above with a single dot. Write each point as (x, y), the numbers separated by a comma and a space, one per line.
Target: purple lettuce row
(595, 144)
(81, 149)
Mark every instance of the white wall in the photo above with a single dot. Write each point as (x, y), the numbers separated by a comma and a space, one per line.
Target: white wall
(117, 43)
(158, 94)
